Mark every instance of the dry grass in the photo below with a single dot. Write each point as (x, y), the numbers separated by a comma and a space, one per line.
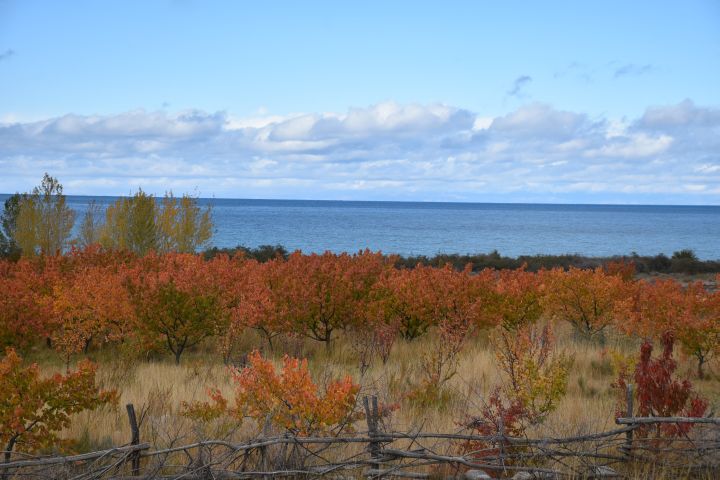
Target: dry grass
(157, 388)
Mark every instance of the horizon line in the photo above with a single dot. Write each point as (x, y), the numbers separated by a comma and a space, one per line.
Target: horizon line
(457, 202)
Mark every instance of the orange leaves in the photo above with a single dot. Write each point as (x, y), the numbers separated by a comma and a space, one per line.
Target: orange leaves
(692, 313)
(177, 301)
(93, 304)
(34, 409)
(518, 298)
(291, 399)
(585, 298)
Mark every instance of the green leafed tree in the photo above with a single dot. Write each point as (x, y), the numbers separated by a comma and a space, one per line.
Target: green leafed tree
(43, 221)
(8, 220)
(90, 227)
(183, 226)
(141, 224)
(130, 224)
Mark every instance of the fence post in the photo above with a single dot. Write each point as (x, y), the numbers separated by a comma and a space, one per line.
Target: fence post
(371, 415)
(501, 434)
(629, 414)
(135, 440)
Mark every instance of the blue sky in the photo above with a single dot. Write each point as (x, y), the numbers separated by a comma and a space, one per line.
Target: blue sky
(611, 102)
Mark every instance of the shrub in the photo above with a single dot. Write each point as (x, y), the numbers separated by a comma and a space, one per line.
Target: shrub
(34, 409)
(659, 393)
(288, 400)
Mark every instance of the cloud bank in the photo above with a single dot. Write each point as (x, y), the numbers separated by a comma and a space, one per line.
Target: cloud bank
(671, 154)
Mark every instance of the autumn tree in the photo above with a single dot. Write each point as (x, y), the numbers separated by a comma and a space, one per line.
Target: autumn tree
(651, 308)
(176, 301)
(320, 291)
(142, 224)
(665, 305)
(44, 221)
(393, 297)
(699, 328)
(90, 226)
(261, 300)
(517, 299)
(91, 305)
(586, 299)
(8, 222)
(25, 305)
(456, 304)
(34, 409)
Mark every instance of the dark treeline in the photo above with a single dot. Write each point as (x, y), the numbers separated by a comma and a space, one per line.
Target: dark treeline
(683, 261)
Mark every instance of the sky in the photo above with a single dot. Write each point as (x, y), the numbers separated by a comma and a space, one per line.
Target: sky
(552, 102)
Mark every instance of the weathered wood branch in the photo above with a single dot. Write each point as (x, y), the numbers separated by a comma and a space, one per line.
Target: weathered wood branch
(74, 458)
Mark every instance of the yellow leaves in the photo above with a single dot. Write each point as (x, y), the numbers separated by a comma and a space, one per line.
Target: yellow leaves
(535, 375)
(141, 225)
(44, 220)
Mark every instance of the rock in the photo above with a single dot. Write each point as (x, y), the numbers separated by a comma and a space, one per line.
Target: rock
(477, 475)
(601, 471)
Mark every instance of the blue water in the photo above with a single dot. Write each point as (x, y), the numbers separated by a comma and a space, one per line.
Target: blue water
(429, 228)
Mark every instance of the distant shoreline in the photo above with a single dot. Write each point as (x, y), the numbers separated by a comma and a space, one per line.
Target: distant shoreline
(681, 262)
(429, 229)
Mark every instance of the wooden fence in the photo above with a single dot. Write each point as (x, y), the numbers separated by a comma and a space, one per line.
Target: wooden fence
(636, 449)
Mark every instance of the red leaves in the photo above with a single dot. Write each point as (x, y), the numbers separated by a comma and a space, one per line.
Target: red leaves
(659, 393)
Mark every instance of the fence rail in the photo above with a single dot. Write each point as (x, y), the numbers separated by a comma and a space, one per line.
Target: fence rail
(624, 452)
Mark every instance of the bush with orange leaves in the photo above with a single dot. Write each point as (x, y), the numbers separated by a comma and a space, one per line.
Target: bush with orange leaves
(289, 400)
(33, 409)
(587, 299)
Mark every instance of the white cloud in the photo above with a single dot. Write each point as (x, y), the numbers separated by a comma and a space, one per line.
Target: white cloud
(633, 146)
(388, 150)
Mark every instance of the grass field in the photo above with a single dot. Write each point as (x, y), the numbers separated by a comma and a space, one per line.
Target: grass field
(157, 387)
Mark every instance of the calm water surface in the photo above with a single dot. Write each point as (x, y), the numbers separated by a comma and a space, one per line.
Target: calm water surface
(429, 228)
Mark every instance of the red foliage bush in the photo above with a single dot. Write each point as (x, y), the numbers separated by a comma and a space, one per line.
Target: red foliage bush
(659, 393)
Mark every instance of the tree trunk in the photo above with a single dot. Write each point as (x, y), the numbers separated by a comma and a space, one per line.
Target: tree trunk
(700, 371)
(178, 352)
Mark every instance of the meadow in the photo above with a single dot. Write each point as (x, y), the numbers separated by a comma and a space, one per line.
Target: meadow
(231, 348)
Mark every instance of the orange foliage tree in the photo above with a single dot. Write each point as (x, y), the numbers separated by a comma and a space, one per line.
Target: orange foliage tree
(699, 329)
(319, 292)
(34, 409)
(587, 299)
(457, 303)
(176, 300)
(91, 305)
(692, 313)
(25, 311)
(289, 400)
(652, 308)
(517, 302)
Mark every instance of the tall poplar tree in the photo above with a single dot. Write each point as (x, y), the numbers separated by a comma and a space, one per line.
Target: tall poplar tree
(44, 221)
